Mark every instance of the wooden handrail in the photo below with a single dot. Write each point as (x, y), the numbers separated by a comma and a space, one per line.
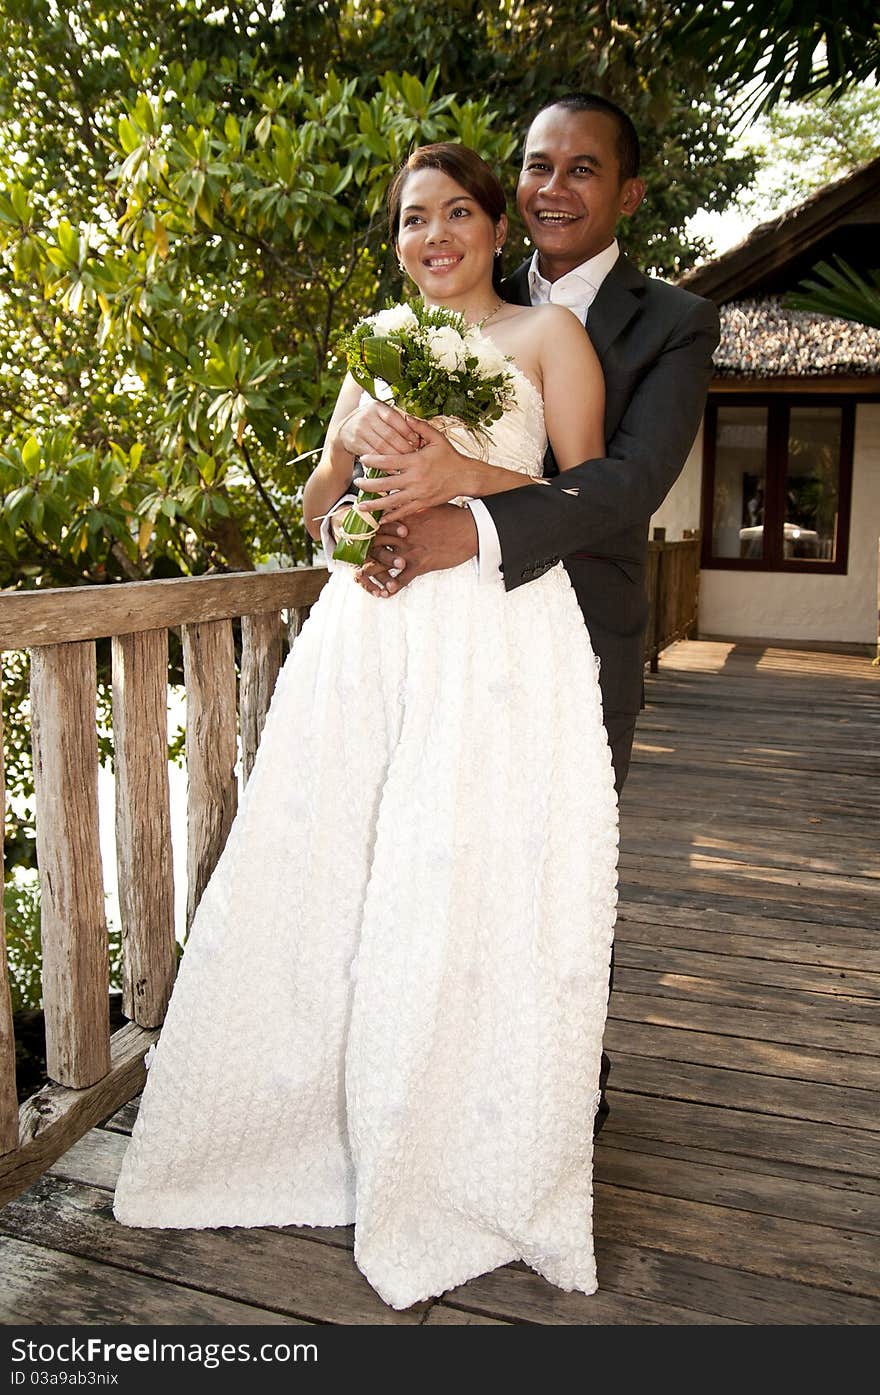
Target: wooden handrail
(673, 590)
(92, 1074)
(30, 618)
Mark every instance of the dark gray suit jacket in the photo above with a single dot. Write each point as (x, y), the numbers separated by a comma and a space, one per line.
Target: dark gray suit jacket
(655, 343)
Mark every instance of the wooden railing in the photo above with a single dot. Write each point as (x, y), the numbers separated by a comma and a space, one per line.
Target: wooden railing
(92, 1073)
(673, 581)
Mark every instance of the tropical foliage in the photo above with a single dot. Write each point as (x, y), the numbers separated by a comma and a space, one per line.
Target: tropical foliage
(772, 52)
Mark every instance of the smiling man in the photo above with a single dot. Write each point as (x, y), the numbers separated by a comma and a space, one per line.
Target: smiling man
(579, 178)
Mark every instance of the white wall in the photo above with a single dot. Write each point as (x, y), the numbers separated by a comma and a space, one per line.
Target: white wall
(770, 605)
(681, 507)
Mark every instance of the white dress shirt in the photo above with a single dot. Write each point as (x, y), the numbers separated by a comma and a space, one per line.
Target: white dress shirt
(576, 290)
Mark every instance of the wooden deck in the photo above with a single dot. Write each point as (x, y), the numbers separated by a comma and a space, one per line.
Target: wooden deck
(738, 1179)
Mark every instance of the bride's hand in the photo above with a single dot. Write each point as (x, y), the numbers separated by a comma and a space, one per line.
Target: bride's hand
(418, 480)
(378, 428)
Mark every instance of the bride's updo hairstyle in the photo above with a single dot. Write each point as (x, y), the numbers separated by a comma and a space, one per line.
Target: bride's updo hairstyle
(463, 165)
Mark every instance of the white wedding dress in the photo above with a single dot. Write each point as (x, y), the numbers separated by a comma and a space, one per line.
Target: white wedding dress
(390, 1009)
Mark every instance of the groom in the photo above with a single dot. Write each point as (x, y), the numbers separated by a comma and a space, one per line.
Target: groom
(580, 175)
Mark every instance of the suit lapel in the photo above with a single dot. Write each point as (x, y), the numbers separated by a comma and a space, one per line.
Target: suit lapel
(617, 301)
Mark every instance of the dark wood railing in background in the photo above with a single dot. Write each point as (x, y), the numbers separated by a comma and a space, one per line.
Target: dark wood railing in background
(92, 1073)
(673, 583)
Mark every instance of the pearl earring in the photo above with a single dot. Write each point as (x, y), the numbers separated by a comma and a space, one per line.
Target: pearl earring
(498, 251)
(401, 266)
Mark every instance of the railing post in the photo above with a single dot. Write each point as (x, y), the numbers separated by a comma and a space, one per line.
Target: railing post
(73, 926)
(659, 536)
(260, 664)
(8, 1097)
(212, 790)
(143, 824)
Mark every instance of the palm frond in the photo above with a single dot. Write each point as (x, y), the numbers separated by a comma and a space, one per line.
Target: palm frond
(839, 290)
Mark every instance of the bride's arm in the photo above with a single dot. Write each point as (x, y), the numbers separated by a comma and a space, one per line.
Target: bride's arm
(331, 477)
(573, 388)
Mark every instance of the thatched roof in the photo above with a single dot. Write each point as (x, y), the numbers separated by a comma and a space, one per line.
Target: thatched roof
(761, 339)
(841, 218)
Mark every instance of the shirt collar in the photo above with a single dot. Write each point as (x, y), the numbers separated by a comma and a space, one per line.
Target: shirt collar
(581, 283)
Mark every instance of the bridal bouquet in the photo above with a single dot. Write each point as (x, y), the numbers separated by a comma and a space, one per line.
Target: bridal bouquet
(435, 364)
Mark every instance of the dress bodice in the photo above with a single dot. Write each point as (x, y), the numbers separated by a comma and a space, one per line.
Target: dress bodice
(518, 440)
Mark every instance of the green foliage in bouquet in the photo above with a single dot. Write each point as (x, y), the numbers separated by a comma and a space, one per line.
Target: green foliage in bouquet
(422, 384)
(436, 365)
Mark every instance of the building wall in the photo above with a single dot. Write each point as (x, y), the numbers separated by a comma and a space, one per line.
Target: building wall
(770, 605)
(681, 507)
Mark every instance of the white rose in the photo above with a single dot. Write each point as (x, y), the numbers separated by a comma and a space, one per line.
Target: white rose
(490, 360)
(447, 347)
(396, 317)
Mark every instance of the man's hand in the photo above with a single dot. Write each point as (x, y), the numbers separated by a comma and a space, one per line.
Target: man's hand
(376, 428)
(419, 479)
(430, 541)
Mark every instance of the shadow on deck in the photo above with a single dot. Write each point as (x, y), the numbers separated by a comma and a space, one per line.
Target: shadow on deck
(738, 1177)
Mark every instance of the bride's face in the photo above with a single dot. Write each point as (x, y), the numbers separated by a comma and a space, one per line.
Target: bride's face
(446, 241)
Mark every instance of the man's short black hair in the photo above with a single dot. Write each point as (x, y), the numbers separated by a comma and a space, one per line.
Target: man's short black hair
(629, 152)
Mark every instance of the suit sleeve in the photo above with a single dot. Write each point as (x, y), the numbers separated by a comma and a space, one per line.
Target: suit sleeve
(539, 524)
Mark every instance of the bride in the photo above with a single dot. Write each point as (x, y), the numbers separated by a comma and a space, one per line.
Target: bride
(390, 1009)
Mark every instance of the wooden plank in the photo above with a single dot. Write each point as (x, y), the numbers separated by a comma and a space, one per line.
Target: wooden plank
(760, 1058)
(8, 1096)
(777, 882)
(123, 1119)
(745, 1132)
(54, 1118)
(710, 918)
(270, 1268)
(770, 949)
(73, 927)
(211, 750)
(814, 1254)
(821, 1008)
(734, 1186)
(671, 890)
(737, 1089)
(695, 963)
(43, 1287)
(795, 1171)
(460, 1317)
(143, 825)
(62, 614)
(790, 853)
(744, 1022)
(95, 1159)
(297, 617)
(712, 1288)
(525, 1296)
(260, 665)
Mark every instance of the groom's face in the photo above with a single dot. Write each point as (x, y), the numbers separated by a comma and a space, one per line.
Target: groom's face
(570, 192)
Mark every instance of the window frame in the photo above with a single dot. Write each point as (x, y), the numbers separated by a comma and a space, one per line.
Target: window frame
(778, 421)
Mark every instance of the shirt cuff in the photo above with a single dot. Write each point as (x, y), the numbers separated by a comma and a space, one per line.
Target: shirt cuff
(328, 542)
(489, 548)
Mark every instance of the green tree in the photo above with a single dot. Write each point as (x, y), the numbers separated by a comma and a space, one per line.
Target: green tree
(190, 209)
(803, 145)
